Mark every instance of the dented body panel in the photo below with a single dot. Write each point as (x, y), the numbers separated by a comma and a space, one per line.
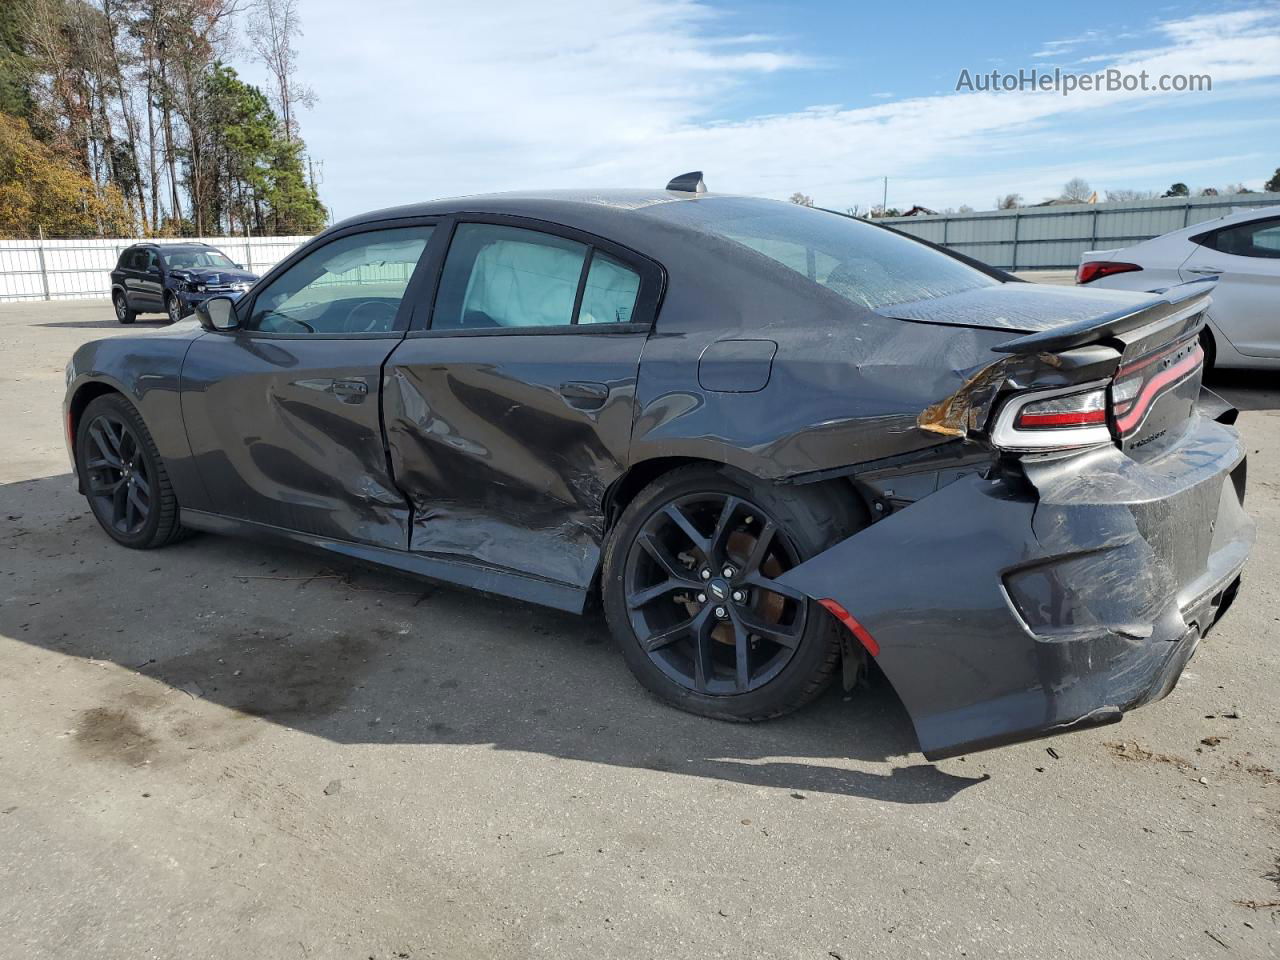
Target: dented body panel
(274, 444)
(502, 463)
(1009, 595)
(1011, 605)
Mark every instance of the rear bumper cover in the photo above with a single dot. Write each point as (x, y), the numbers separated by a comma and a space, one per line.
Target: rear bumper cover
(1013, 607)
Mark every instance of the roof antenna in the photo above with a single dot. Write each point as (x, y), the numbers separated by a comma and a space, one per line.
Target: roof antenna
(688, 183)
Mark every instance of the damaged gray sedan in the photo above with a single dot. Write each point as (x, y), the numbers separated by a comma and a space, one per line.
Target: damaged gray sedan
(778, 444)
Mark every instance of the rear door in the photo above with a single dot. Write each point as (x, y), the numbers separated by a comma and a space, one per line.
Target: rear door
(1246, 300)
(283, 414)
(509, 414)
(149, 283)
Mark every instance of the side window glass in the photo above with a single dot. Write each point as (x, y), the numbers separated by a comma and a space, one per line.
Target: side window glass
(1258, 239)
(610, 293)
(499, 276)
(350, 285)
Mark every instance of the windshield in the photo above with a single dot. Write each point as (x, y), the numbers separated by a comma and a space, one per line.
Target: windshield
(185, 259)
(865, 264)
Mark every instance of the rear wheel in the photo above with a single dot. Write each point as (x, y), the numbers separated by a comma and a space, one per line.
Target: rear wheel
(691, 593)
(123, 476)
(173, 307)
(123, 312)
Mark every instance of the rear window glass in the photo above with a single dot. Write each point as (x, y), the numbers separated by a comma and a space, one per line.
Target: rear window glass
(865, 264)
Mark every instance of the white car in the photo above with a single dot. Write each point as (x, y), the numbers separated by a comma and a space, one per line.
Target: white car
(1242, 250)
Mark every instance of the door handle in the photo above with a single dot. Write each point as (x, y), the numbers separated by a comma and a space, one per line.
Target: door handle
(350, 390)
(585, 394)
(1205, 270)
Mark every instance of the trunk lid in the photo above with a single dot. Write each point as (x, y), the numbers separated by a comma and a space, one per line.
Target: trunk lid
(1022, 307)
(1143, 347)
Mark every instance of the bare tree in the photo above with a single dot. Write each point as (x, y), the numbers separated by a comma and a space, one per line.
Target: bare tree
(273, 26)
(964, 208)
(1010, 201)
(802, 199)
(112, 17)
(1077, 190)
(1117, 196)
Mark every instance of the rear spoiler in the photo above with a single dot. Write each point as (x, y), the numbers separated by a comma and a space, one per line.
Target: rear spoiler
(1169, 305)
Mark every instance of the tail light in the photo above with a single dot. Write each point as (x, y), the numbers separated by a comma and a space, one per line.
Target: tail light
(1092, 270)
(1096, 413)
(1062, 419)
(1139, 384)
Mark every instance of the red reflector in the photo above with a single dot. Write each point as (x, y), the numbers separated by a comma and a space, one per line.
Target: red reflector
(1092, 270)
(857, 629)
(1074, 419)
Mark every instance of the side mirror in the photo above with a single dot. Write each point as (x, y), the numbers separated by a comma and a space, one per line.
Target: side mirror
(218, 314)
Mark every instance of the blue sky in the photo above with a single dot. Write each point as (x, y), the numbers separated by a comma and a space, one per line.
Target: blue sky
(421, 100)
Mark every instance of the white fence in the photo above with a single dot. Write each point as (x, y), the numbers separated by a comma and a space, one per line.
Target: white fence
(1052, 238)
(78, 269)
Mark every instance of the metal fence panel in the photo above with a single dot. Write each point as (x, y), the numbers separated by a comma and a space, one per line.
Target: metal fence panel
(1053, 238)
(38, 269)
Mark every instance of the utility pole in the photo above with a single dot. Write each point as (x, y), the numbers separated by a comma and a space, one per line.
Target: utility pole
(884, 202)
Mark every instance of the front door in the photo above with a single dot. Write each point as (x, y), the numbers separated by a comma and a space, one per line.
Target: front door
(509, 418)
(1246, 301)
(283, 413)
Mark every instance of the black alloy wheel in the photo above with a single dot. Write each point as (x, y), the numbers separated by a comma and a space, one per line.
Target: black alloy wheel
(116, 475)
(691, 590)
(703, 599)
(123, 476)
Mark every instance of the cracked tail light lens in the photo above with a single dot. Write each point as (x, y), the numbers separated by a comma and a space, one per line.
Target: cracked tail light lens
(1063, 419)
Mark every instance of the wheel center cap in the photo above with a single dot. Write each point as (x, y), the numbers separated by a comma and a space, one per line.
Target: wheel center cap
(718, 588)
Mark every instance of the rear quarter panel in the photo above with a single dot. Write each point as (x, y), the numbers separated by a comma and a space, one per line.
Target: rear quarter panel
(845, 385)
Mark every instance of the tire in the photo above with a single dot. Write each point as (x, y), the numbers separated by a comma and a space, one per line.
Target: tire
(711, 675)
(118, 493)
(173, 307)
(124, 314)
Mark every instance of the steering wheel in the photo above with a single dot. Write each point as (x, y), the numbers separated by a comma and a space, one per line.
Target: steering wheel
(370, 316)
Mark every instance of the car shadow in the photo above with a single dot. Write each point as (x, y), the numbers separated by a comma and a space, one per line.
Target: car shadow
(1246, 389)
(361, 656)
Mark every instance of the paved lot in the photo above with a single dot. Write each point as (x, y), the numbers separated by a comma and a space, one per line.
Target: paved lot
(224, 750)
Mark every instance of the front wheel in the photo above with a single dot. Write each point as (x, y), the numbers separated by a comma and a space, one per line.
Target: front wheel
(691, 592)
(123, 476)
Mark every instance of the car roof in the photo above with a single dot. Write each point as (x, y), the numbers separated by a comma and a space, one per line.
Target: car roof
(1227, 220)
(620, 215)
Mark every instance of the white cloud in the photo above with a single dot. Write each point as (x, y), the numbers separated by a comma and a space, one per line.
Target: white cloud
(424, 100)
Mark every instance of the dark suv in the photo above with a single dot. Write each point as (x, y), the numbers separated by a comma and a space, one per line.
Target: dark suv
(173, 278)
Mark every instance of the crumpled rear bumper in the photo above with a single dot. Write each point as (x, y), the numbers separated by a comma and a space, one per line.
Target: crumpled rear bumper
(1012, 607)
